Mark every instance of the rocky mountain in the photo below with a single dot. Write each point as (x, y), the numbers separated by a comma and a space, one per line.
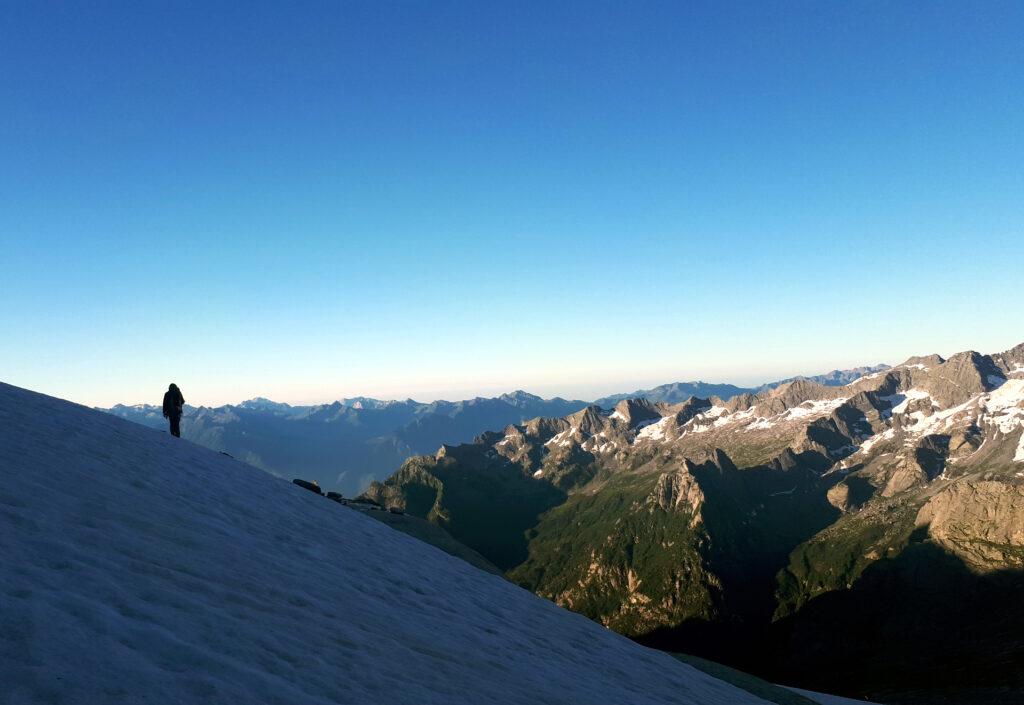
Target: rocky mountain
(868, 537)
(347, 444)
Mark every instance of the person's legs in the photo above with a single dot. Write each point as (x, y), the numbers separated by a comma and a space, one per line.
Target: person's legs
(176, 426)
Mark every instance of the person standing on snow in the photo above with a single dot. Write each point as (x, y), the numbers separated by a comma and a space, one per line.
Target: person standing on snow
(173, 404)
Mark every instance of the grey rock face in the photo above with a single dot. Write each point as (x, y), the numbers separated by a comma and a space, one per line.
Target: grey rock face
(982, 521)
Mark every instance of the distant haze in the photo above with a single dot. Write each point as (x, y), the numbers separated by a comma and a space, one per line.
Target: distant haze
(203, 388)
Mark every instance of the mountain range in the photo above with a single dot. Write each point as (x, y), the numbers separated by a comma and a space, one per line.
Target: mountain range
(863, 537)
(346, 444)
(349, 443)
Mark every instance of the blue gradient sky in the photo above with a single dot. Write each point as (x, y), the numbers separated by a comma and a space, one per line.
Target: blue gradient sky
(430, 199)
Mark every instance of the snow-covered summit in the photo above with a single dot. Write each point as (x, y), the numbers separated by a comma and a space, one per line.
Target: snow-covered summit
(141, 568)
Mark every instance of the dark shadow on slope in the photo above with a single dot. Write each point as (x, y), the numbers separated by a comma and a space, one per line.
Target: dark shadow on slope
(931, 454)
(920, 628)
(755, 518)
(861, 490)
(486, 505)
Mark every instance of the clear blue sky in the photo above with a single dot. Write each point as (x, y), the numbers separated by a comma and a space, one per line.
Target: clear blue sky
(429, 199)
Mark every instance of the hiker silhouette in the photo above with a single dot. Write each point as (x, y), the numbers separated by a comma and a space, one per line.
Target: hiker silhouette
(173, 403)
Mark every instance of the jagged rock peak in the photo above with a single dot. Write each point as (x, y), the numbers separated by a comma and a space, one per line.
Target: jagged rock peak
(740, 402)
(1011, 362)
(589, 420)
(519, 398)
(544, 427)
(789, 395)
(959, 378)
(263, 403)
(691, 407)
(715, 457)
(635, 411)
(922, 361)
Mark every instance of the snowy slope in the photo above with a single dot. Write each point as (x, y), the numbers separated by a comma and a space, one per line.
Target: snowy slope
(141, 568)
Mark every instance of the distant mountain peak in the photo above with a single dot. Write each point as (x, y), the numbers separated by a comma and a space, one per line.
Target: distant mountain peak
(835, 378)
(518, 396)
(675, 393)
(262, 403)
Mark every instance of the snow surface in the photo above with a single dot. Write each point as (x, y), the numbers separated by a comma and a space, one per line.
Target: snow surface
(1004, 408)
(142, 568)
(654, 431)
(563, 438)
(815, 408)
(867, 445)
(699, 423)
(901, 401)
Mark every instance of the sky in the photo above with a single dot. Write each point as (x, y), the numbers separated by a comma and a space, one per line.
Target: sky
(307, 201)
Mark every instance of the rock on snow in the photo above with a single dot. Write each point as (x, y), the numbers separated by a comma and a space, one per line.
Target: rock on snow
(140, 568)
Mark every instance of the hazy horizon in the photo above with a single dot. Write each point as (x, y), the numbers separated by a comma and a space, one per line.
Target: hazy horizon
(581, 391)
(449, 199)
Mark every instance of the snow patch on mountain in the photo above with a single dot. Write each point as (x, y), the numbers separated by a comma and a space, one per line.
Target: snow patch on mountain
(700, 422)
(901, 401)
(871, 442)
(814, 408)
(1002, 407)
(654, 431)
(563, 438)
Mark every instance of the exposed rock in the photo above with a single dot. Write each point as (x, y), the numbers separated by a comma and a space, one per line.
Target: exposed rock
(959, 378)
(906, 475)
(312, 486)
(636, 411)
(794, 394)
(785, 461)
(981, 521)
(931, 453)
(926, 361)
(965, 441)
(679, 489)
(1011, 362)
(839, 496)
